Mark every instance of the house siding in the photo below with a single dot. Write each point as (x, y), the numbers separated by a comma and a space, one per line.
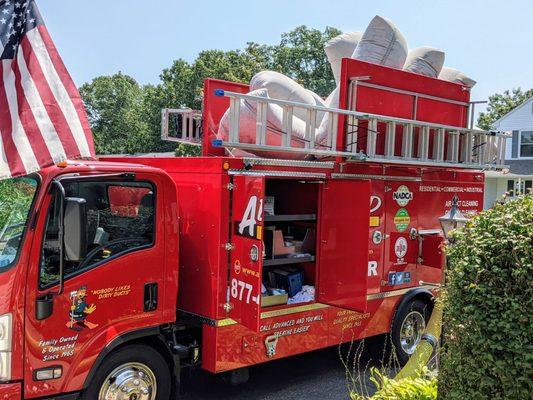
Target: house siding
(520, 119)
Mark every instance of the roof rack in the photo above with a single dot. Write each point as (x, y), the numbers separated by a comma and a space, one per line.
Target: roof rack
(422, 143)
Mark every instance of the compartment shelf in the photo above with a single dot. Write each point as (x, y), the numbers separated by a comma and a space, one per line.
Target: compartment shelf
(287, 260)
(290, 217)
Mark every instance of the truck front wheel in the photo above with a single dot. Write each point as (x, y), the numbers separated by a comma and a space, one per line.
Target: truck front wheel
(134, 372)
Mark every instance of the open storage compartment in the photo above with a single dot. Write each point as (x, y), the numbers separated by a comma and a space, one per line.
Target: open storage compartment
(297, 241)
(289, 242)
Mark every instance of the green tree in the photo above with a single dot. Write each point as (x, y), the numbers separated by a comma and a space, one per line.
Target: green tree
(500, 104)
(301, 56)
(114, 107)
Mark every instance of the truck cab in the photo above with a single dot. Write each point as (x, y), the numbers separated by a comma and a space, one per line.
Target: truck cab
(88, 254)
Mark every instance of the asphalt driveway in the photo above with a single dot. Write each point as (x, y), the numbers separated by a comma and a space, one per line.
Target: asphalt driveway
(316, 375)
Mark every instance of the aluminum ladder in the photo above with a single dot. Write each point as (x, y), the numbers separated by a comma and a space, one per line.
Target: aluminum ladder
(422, 143)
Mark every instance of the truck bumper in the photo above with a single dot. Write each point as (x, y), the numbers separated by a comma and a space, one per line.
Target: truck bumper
(13, 391)
(10, 391)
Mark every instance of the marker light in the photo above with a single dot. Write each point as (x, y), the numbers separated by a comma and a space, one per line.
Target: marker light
(6, 336)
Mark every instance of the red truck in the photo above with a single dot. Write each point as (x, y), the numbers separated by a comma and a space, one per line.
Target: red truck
(117, 273)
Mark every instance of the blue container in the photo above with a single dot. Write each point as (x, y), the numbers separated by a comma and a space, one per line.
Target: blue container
(290, 280)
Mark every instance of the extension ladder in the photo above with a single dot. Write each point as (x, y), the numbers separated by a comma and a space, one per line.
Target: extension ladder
(422, 143)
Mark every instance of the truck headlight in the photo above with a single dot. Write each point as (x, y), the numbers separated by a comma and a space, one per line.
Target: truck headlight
(6, 335)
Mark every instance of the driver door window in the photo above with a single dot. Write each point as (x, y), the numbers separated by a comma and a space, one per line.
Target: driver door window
(120, 219)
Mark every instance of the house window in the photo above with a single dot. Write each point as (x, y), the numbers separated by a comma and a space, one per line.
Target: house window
(528, 186)
(516, 187)
(526, 144)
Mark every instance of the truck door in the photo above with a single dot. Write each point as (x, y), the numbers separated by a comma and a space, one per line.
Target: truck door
(246, 261)
(343, 244)
(112, 289)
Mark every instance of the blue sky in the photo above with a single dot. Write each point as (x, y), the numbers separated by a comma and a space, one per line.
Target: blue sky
(490, 40)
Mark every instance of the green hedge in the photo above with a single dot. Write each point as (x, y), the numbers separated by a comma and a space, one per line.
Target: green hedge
(488, 316)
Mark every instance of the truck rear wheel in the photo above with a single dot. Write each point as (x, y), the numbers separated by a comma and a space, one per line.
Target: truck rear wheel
(134, 372)
(407, 329)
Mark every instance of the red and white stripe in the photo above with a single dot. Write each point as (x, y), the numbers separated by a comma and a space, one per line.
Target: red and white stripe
(42, 117)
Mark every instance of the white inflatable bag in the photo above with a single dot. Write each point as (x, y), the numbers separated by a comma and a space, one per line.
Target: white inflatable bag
(282, 87)
(340, 47)
(456, 76)
(425, 60)
(382, 43)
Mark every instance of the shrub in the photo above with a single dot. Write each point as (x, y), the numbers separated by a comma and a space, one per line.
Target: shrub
(420, 387)
(488, 315)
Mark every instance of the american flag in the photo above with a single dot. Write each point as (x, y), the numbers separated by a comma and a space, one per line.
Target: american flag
(42, 117)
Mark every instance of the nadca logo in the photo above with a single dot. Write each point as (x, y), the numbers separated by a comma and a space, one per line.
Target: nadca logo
(402, 196)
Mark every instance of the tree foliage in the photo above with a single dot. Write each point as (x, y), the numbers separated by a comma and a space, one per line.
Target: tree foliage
(488, 317)
(301, 56)
(15, 199)
(500, 104)
(125, 117)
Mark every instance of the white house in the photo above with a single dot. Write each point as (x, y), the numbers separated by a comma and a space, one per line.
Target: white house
(518, 155)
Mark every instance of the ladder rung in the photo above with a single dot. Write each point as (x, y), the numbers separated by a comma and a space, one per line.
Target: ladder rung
(453, 146)
(467, 148)
(371, 137)
(407, 141)
(438, 145)
(333, 123)
(287, 126)
(261, 129)
(310, 128)
(482, 150)
(352, 134)
(423, 143)
(390, 139)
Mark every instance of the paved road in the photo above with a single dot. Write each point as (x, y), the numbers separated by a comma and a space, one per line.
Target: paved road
(315, 375)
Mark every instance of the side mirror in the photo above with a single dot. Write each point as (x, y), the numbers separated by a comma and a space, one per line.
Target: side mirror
(75, 228)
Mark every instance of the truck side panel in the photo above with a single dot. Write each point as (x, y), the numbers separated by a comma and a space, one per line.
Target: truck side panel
(305, 328)
(204, 230)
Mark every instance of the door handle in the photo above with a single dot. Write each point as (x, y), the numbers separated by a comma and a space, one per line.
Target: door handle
(44, 306)
(150, 297)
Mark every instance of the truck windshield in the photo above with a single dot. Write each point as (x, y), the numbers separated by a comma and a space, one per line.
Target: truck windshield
(16, 198)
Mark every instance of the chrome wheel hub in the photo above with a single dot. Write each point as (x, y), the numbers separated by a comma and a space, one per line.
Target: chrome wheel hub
(131, 381)
(411, 331)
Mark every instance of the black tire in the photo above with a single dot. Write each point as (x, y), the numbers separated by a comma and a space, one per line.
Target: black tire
(236, 377)
(409, 310)
(138, 355)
